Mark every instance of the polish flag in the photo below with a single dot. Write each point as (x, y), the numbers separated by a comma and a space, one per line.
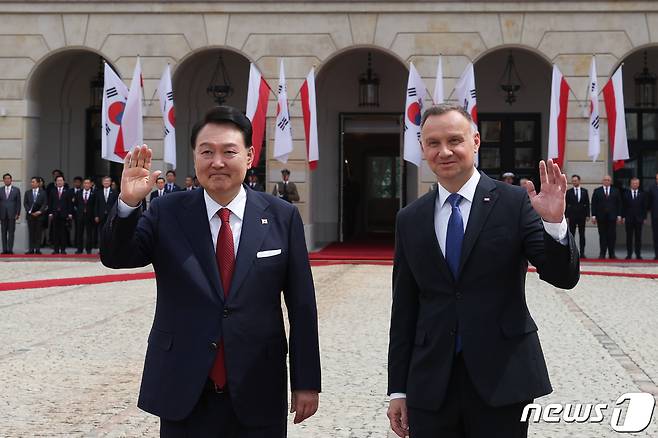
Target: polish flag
(310, 112)
(282, 130)
(132, 123)
(416, 93)
(438, 85)
(613, 95)
(594, 148)
(466, 97)
(557, 127)
(257, 96)
(166, 95)
(115, 94)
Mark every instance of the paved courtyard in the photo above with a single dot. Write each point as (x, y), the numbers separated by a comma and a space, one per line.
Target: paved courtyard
(71, 357)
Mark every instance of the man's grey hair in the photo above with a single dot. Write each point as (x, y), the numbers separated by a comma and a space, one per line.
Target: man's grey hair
(443, 108)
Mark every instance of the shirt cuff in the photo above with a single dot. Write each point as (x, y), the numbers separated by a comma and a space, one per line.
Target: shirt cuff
(397, 395)
(124, 210)
(557, 231)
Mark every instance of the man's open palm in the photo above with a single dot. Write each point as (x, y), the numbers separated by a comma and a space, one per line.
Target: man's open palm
(137, 180)
(550, 202)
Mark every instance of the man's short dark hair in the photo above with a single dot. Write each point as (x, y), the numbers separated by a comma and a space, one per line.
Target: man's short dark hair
(443, 108)
(58, 177)
(107, 177)
(575, 176)
(171, 171)
(36, 178)
(6, 175)
(159, 178)
(57, 171)
(220, 115)
(77, 178)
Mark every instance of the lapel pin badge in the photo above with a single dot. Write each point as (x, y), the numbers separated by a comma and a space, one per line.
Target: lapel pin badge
(263, 221)
(487, 199)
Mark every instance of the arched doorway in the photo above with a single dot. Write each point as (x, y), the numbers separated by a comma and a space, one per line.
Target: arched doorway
(63, 127)
(514, 131)
(359, 184)
(192, 99)
(641, 119)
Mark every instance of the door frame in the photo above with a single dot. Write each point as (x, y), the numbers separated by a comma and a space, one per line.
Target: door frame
(342, 117)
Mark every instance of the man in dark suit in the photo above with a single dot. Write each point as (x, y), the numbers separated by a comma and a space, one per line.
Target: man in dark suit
(606, 214)
(36, 205)
(577, 212)
(189, 183)
(635, 207)
(653, 207)
(73, 192)
(159, 191)
(464, 356)
(171, 185)
(106, 197)
(85, 212)
(10, 211)
(60, 211)
(216, 359)
(253, 182)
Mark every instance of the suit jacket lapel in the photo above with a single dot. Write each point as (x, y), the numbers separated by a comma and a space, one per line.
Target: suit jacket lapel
(426, 225)
(253, 232)
(194, 223)
(483, 201)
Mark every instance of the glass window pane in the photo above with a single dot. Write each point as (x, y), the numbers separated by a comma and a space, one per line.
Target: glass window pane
(524, 158)
(524, 131)
(490, 131)
(381, 177)
(489, 158)
(649, 126)
(631, 126)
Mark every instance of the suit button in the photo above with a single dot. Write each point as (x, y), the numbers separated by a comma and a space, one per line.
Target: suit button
(226, 312)
(453, 332)
(458, 295)
(213, 345)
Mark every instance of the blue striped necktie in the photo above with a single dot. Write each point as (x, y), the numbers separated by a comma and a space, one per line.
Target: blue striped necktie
(454, 240)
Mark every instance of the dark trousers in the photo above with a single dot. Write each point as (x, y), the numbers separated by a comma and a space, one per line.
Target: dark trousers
(607, 235)
(634, 236)
(465, 415)
(213, 417)
(654, 228)
(59, 233)
(84, 233)
(580, 224)
(34, 225)
(7, 227)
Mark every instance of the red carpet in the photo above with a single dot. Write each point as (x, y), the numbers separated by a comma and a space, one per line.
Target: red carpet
(371, 251)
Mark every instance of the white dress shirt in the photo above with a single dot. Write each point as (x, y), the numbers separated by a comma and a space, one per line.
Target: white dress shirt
(443, 210)
(237, 207)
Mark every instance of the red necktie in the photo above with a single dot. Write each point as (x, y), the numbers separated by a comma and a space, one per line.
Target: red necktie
(226, 263)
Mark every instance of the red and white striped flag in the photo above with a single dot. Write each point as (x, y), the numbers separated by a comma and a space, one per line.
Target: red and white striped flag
(166, 95)
(416, 93)
(466, 97)
(613, 95)
(594, 148)
(257, 96)
(557, 127)
(282, 130)
(132, 123)
(115, 94)
(310, 112)
(438, 85)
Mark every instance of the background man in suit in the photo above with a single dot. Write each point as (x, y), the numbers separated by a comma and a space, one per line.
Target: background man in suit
(253, 181)
(159, 184)
(106, 197)
(85, 212)
(73, 192)
(635, 204)
(286, 190)
(189, 183)
(577, 212)
(36, 205)
(171, 185)
(653, 207)
(606, 214)
(464, 356)
(60, 211)
(216, 360)
(10, 211)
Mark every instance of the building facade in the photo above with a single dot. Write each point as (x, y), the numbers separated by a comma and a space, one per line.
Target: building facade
(51, 54)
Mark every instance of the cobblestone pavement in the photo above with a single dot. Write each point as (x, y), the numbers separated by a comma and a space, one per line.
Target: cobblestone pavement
(71, 357)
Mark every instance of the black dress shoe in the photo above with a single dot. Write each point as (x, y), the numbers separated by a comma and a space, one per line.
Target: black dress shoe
(89, 251)
(613, 257)
(601, 256)
(37, 252)
(639, 257)
(62, 252)
(56, 251)
(628, 257)
(79, 251)
(29, 252)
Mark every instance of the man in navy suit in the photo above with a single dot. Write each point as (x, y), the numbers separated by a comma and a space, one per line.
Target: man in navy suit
(36, 205)
(171, 185)
(216, 359)
(60, 210)
(160, 189)
(464, 355)
(577, 211)
(635, 205)
(606, 214)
